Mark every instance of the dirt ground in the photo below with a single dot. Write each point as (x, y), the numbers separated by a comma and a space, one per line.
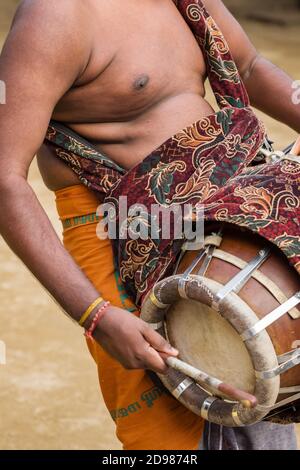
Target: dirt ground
(49, 394)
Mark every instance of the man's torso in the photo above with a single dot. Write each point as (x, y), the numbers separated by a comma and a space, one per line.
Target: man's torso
(144, 82)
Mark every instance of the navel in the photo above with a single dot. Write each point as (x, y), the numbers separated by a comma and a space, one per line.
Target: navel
(141, 82)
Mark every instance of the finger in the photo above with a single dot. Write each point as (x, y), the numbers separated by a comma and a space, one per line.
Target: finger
(165, 356)
(155, 362)
(158, 342)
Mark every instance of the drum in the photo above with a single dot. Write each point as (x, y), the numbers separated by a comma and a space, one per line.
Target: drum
(232, 310)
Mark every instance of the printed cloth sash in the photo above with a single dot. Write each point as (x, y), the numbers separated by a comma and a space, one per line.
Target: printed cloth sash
(205, 163)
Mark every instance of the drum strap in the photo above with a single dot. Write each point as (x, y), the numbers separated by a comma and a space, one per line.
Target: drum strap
(286, 390)
(242, 277)
(258, 276)
(210, 243)
(281, 403)
(294, 360)
(271, 318)
(213, 239)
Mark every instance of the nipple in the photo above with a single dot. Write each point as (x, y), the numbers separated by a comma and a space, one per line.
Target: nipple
(141, 82)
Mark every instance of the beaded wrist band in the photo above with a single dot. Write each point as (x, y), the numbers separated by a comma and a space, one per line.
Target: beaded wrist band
(100, 313)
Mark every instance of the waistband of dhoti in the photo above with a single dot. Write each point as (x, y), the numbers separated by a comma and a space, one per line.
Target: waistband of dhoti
(76, 206)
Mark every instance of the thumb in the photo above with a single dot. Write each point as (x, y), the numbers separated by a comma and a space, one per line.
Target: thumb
(158, 342)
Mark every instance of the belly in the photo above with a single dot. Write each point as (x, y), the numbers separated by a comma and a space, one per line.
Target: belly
(128, 143)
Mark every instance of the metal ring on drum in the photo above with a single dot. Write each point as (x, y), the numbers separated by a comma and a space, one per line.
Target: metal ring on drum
(260, 349)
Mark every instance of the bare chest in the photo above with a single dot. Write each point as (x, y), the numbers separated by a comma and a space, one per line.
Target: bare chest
(143, 55)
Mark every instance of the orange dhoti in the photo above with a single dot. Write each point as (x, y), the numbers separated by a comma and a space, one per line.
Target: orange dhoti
(146, 417)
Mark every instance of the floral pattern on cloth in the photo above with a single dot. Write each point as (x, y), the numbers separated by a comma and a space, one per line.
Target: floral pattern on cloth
(206, 163)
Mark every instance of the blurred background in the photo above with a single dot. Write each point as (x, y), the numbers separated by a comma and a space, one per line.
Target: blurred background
(49, 394)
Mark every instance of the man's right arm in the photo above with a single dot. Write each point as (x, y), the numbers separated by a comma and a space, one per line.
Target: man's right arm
(44, 55)
(37, 70)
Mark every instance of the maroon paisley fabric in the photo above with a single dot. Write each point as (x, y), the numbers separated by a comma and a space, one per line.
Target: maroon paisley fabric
(206, 163)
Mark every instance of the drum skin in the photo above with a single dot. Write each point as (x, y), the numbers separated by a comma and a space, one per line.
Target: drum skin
(285, 332)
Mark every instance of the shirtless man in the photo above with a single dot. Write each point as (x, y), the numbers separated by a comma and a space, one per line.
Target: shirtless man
(124, 74)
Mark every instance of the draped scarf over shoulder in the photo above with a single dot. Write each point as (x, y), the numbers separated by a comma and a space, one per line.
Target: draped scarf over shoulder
(205, 163)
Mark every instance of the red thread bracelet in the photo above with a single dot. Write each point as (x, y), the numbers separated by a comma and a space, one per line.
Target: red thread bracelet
(100, 313)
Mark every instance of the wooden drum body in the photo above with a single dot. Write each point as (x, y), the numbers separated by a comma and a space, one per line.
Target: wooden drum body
(232, 312)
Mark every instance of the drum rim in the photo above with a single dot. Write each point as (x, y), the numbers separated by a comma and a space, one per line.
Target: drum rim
(260, 349)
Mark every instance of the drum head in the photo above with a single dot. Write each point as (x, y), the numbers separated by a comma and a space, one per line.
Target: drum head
(208, 342)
